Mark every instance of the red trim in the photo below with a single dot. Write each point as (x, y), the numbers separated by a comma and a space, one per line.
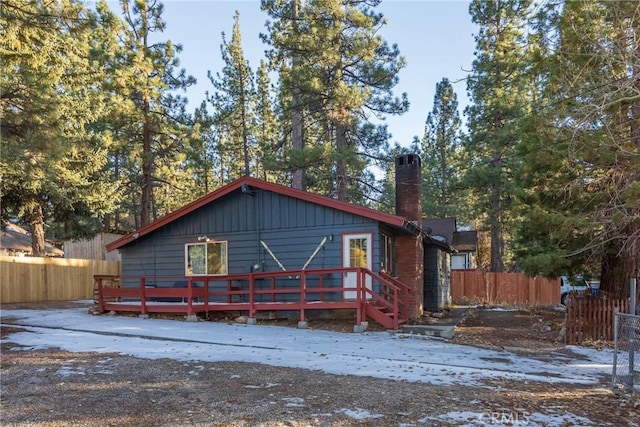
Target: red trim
(263, 185)
(389, 308)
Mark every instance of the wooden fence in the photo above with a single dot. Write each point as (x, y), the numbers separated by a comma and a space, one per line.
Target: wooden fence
(32, 279)
(592, 319)
(503, 288)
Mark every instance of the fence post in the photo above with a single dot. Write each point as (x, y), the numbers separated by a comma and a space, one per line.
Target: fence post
(615, 349)
(632, 297)
(632, 340)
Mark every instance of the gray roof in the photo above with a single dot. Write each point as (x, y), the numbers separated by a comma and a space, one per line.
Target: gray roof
(445, 230)
(443, 227)
(16, 239)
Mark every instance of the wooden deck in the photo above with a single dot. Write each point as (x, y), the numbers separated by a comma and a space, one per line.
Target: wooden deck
(300, 290)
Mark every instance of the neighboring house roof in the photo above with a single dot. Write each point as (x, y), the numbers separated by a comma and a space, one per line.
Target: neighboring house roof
(440, 227)
(445, 230)
(465, 241)
(439, 243)
(245, 182)
(14, 238)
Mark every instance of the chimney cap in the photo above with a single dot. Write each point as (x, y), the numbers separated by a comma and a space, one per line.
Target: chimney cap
(408, 159)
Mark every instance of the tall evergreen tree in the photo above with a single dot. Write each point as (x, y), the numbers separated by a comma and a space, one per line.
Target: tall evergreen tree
(203, 153)
(50, 94)
(269, 148)
(335, 64)
(499, 101)
(153, 118)
(234, 100)
(593, 154)
(286, 34)
(440, 154)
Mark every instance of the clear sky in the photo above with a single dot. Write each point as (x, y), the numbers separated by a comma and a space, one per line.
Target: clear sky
(435, 37)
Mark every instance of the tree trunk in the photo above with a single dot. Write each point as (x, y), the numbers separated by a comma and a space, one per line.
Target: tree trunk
(611, 280)
(147, 161)
(497, 244)
(342, 179)
(36, 220)
(297, 136)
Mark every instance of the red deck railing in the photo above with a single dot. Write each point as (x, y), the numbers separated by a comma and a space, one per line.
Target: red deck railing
(378, 296)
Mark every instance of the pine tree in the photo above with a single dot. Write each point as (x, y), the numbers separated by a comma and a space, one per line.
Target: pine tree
(592, 158)
(152, 117)
(234, 99)
(203, 153)
(335, 66)
(50, 94)
(496, 86)
(269, 148)
(440, 154)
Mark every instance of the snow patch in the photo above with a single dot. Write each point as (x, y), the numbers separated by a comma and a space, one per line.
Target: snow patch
(294, 402)
(359, 414)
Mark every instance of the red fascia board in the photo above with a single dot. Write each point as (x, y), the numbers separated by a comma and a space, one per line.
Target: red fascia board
(263, 185)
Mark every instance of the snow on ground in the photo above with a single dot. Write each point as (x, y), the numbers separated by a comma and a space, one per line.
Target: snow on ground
(509, 419)
(375, 354)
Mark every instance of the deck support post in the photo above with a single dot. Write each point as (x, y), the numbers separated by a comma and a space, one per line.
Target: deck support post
(143, 297)
(252, 310)
(100, 297)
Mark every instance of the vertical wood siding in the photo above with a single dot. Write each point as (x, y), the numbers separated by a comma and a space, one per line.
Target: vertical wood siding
(292, 229)
(92, 248)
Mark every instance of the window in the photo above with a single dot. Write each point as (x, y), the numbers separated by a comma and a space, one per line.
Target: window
(206, 258)
(386, 254)
(358, 252)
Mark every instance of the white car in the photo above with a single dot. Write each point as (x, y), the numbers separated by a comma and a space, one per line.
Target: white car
(577, 283)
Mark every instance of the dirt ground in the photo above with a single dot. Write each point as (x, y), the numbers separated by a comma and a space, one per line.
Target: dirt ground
(536, 330)
(59, 388)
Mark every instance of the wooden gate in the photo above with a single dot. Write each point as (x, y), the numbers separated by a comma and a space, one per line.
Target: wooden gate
(592, 319)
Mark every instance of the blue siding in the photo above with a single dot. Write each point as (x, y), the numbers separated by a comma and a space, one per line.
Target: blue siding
(292, 229)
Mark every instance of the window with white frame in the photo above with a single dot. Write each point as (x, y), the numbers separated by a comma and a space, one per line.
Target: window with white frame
(203, 259)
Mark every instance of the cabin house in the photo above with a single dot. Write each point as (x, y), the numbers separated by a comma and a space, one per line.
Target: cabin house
(16, 241)
(257, 246)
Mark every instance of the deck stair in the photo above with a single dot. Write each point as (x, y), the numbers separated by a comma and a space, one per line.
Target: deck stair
(388, 307)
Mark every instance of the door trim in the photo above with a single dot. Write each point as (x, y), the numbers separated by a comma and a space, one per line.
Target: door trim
(344, 242)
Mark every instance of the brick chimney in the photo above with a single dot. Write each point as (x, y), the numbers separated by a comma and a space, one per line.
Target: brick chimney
(409, 248)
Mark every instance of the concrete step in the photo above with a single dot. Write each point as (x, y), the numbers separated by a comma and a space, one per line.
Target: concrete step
(442, 331)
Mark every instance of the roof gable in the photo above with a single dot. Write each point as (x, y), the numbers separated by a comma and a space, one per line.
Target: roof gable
(244, 184)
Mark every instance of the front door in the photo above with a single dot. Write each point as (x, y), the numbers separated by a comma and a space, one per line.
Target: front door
(356, 252)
